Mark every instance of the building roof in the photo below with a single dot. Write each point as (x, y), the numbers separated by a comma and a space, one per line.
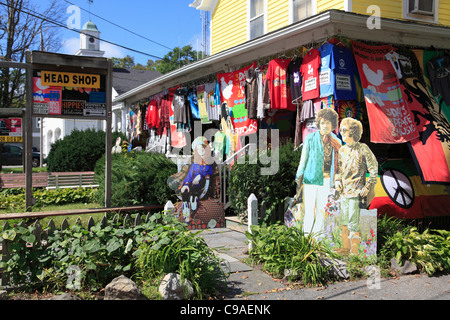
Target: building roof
(125, 79)
(316, 28)
(90, 26)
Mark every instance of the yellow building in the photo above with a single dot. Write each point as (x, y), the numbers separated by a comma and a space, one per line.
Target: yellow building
(234, 22)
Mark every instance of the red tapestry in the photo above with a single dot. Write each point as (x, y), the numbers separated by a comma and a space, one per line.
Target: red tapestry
(390, 119)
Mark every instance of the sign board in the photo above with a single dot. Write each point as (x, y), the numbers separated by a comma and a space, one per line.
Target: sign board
(78, 95)
(11, 130)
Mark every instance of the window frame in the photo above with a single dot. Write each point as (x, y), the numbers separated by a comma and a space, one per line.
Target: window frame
(291, 10)
(421, 17)
(249, 19)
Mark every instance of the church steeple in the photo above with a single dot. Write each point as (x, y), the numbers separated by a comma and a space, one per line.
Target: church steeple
(89, 41)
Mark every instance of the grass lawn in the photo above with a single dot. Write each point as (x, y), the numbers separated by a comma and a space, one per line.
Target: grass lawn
(21, 170)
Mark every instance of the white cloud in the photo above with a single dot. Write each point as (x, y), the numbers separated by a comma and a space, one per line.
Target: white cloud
(72, 45)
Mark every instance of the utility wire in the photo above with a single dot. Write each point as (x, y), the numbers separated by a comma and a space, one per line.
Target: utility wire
(115, 24)
(43, 18)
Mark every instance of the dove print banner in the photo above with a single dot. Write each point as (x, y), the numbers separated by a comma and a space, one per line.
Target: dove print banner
(232, 92)
(390, 119)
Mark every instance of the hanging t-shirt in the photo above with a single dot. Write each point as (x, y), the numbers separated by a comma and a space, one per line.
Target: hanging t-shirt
(152, 115)
(279, 91)
(212, 109)
(295, 78)
(326, 73)
(220, 139)
(310, 73)
(394, 58)
(193, 102)
(179, 106)
(201, 100)
(344, 67)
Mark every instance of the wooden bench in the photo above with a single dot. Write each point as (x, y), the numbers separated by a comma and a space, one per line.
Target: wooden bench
(71, 180)
(17, 180)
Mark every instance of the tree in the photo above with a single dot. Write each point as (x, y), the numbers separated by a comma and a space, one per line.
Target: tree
(173, 60)
(177, 58)
(23, 26)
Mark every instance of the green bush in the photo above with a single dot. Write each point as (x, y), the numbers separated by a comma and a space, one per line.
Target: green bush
(270, 189)
(14, 199)
(136, 178)
(78, 151)
(289, 252)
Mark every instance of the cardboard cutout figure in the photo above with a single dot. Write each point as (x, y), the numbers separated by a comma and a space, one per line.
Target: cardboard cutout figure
(355, 160)
(195, 187)
(316, 170)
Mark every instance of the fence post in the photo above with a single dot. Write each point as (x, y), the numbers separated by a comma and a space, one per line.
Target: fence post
(169, 208)
(252, 207)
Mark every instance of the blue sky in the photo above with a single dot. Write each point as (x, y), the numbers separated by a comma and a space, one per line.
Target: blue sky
(170, 23)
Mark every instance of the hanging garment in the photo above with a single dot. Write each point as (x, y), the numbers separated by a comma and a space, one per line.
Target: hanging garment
(212, 109)
(152, 115)
(260, 104)
(439, 73)
(295, 78)
(194, 103)
(179, 106)
(279, 91)
(326, 72)
(344, 68)
(310, 75)
(251, 93)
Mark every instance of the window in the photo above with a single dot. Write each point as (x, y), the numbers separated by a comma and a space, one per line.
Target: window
(256, 19)
(421, 10)
(302, 9)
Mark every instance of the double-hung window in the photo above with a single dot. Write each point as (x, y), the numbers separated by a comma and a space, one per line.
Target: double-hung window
(256, 18)
(302, 9)
(421, 10)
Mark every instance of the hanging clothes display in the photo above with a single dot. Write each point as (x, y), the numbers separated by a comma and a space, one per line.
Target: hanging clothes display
(177, 138)
(201, 101)
(194, 103)
(279, 90)
(389, 116)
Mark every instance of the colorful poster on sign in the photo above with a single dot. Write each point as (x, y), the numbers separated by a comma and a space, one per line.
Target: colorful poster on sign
(390, 119)
(232, 92)
(46, 99)
(68, 94)
(10, 130)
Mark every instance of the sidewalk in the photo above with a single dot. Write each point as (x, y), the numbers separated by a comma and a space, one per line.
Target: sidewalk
(250, 283)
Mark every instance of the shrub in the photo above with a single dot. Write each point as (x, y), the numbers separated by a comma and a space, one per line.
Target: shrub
(136, 178)
(270, 189)
(289, 252)
(14, 199)
(78, 151)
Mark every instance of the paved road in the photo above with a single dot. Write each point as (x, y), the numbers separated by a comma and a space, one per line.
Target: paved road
(247, 283)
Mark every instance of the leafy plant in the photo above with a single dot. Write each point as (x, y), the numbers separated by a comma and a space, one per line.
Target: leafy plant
(269, 189)
(182, 252)
(136, 178)
(289, 251)
(429, 250)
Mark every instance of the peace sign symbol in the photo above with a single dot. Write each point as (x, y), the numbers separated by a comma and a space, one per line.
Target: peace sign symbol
(398, 187)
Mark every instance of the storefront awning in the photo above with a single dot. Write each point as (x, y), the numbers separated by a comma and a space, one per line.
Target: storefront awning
(317, 28)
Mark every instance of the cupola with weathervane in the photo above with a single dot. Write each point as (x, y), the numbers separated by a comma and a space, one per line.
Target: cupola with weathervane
(89, 41)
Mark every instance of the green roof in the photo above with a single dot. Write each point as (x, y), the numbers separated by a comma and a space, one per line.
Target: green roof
(90, 26)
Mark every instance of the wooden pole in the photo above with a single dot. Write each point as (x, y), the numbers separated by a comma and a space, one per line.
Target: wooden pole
(28, 134)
